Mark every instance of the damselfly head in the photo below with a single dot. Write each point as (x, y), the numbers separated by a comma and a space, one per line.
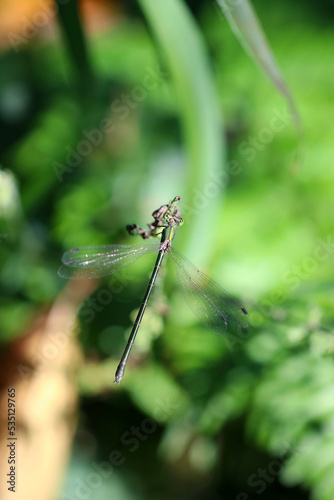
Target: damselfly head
(173, 215)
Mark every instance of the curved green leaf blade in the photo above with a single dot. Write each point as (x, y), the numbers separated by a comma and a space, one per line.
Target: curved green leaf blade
(248, 30)
(187, 59)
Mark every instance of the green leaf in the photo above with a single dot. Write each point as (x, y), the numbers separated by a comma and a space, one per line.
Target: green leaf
(247, 28)
(69, 18)
(184, 50)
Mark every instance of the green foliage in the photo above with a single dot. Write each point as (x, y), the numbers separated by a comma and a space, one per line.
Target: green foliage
(222, 408)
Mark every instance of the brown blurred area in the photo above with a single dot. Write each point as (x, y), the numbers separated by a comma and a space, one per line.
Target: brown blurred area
(42, 366)
(27, 19)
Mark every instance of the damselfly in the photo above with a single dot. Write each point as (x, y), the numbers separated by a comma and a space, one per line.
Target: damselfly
(213, 306)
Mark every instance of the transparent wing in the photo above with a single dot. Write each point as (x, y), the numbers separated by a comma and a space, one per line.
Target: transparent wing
(210, 303)
(102, 260)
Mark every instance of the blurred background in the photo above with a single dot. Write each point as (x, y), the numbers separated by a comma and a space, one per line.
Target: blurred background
(109, 109)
